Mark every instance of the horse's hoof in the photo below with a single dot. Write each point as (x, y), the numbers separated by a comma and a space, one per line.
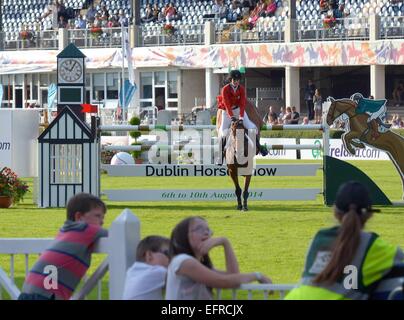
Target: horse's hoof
(245, 208)
(240, 207)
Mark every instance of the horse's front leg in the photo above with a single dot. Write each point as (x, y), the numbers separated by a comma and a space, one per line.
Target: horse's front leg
(347, 140)
(245, 192)
(234, 176)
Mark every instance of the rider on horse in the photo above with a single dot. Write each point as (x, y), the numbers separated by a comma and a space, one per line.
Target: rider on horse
(376, 110)
(232, 102)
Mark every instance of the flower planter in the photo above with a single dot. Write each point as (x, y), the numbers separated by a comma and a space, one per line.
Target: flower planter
(5, 202)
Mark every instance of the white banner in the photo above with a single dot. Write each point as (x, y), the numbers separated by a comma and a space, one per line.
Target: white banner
(337, 150)
(278, 154)
(5, 139)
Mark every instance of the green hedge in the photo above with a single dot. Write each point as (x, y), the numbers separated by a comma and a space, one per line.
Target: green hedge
(311, 134)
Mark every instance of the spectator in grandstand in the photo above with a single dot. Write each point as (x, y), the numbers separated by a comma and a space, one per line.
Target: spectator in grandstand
(146, 278)
(170, 12)
(62, 22)
(69, 253)
(323, 6)
(219, 9)
(104, 12)
(191, 275)
(395, 121)
(256, 13)
(156, 12)
(295, 116)
(80, 22)
(345, 262)
(270, 9)
(123, 20)
(308, 97)
(318, 105)
(61, 10)
(398, 93)
(148, 14)
(287, 117)
(271, 114)
(52, 9)
(91, 13)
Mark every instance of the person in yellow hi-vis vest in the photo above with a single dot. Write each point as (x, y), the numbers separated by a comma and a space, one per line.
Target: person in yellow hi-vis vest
(345, 262)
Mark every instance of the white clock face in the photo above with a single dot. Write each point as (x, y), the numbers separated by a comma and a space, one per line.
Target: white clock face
(71, 71)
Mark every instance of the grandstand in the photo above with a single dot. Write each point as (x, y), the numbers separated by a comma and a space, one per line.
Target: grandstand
(344, 49)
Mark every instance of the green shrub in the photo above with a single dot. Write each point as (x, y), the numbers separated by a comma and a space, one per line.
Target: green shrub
(135, 121)
(136, 154)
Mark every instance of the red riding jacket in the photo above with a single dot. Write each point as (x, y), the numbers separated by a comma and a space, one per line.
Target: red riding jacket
(231, 98)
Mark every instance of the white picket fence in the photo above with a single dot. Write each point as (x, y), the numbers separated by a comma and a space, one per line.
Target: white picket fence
(120, 247)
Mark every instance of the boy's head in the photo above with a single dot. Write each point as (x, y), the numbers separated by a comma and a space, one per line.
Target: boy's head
(153, 250)
(86, 208)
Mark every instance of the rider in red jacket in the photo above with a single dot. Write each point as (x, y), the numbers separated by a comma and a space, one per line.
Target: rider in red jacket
(233, 101)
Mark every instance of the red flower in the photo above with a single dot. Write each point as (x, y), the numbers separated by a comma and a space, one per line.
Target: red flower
(11, 186)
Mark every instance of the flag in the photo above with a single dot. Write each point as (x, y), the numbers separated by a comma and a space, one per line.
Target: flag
(52, 89)
(89, 108)
(127, 53)
(129, 90)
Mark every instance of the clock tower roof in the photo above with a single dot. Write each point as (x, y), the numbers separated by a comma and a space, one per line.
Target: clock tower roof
(71, 51)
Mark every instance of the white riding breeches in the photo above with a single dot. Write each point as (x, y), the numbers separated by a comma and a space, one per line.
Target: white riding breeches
(226, 122)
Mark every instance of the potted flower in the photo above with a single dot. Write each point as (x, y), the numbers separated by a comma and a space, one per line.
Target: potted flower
(168, 29)
(12, 189)
(96, 32)
(135, 121)
(244, 25)
(26, 35)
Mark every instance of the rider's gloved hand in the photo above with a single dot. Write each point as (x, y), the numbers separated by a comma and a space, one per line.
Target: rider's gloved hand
(240, 120)
(233, 119)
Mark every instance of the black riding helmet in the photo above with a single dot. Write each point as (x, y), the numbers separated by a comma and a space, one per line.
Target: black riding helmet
(235, 74)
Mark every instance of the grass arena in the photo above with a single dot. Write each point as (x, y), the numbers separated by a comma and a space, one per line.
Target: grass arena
(273, 236)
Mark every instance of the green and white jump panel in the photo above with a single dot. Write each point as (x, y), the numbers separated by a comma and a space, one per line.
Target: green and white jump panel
(191, 170)
(210, 195)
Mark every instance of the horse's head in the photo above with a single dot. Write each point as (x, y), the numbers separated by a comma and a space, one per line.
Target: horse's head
(337, 108)
(235, 126)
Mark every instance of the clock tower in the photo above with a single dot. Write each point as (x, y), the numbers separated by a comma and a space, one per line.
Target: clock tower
(71, 80)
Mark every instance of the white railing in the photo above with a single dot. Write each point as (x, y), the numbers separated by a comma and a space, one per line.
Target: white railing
(40, 40)
(342, 29)
(262, 32)
(120, 246)
(85, 38)
(266, 290)
(182, 35)
(392, 27)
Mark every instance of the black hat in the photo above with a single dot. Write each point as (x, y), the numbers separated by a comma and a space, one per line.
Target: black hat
(235, 74)
(355, 193)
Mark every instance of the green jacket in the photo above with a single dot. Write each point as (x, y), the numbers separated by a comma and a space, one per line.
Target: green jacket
(374, 260)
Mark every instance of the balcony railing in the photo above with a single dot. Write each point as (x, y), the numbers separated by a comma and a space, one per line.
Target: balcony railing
(107, 38)
(341, 29)
(45, 40)
(182, 35)
(230, 33)
(392, 27)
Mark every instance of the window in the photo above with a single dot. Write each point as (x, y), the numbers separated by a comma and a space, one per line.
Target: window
(160, 78)
(112, 85)
(172, 84)
(146, 85)
(98, 85)
(66, 165)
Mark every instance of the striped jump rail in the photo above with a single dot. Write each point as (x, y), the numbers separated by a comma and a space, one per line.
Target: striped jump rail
(204, 127)
(215, 147)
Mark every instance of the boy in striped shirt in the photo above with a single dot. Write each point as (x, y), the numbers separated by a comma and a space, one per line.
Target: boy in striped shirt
(60, 267)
